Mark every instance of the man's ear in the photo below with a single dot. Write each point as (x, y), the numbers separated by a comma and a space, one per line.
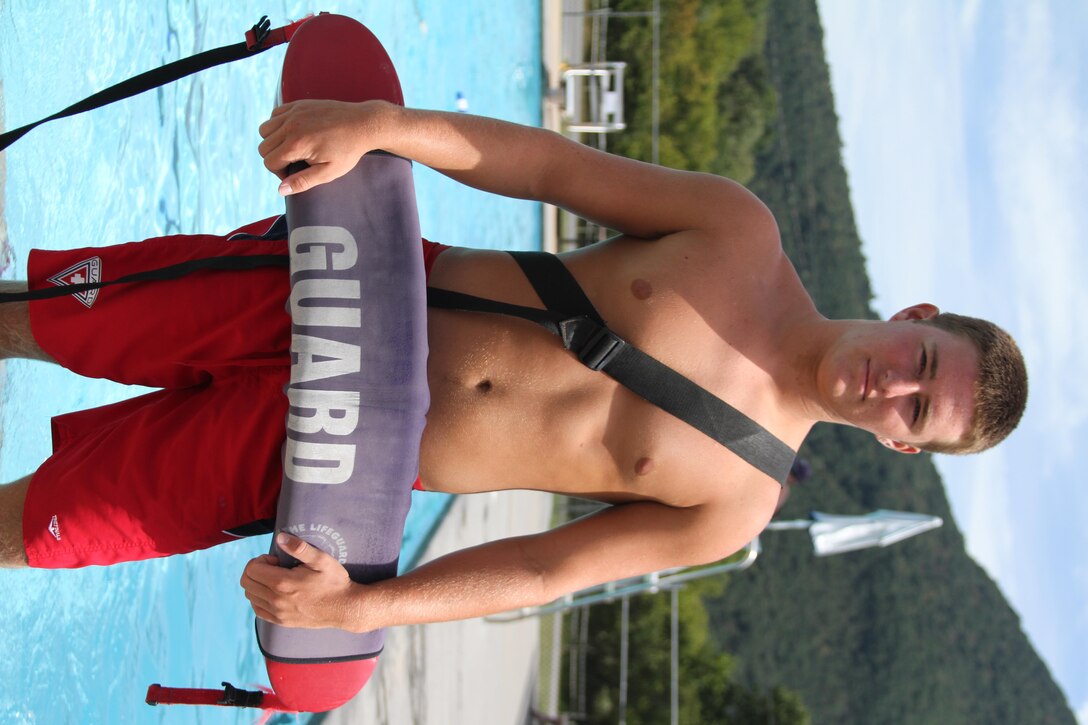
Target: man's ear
(921, 311)
(898, 446)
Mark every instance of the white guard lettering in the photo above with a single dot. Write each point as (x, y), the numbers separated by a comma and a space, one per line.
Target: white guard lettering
(305, 462)
(311, 315)
(316, 358)
(317, 247)
(334, 411)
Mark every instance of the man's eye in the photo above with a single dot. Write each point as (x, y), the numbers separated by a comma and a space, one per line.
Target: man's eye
(917, 409)
(922, 364)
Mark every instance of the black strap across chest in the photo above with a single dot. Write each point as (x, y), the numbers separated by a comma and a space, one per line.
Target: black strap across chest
(573, 318)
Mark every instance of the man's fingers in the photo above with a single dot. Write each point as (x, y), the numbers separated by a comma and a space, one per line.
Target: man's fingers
(258, 596)
(269, 145)
(277, 152)
(275, 120)
(280, 110)
(266, 584)
(277, 162)
(270, 126)
(263, 613)
(263, 573)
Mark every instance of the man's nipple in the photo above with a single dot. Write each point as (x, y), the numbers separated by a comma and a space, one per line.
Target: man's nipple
(643, 466)
(641, 289)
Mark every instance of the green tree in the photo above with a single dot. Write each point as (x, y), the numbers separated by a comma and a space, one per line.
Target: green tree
(915, 633)
(708, 693)
(716, 99)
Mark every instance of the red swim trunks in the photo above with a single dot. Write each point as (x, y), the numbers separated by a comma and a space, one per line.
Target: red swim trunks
(177, 469)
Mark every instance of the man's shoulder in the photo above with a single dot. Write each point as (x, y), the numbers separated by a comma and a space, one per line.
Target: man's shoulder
(740, 235)
(741, 219)
(744, 231)
(733, 516)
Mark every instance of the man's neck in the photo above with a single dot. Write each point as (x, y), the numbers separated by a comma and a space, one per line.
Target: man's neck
(803, 347)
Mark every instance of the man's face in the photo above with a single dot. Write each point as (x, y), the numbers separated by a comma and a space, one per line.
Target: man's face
(907, 383)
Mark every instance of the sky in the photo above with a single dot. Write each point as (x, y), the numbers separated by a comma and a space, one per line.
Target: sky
(965, 133)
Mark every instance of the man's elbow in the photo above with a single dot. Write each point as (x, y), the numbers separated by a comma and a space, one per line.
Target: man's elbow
(718, 548)
(540, 586)
(547, 177)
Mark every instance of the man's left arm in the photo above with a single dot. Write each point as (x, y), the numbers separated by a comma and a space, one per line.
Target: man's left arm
(619, 542)
(636, 198)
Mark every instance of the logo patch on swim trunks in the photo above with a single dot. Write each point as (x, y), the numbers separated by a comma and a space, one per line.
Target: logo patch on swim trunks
(87, 271)
(54, 528)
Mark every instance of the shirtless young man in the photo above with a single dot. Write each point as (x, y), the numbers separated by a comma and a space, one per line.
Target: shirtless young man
(700, 282)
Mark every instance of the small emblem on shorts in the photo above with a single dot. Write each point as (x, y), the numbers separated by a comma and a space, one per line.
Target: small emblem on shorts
(87, 271)
(54, 528)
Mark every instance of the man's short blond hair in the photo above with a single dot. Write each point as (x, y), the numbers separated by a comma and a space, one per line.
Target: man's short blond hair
(1001, 391)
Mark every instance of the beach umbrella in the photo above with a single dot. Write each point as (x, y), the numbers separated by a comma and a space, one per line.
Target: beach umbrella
(834, 534)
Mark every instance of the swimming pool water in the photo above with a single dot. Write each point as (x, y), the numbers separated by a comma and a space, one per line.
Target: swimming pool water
(82, 646)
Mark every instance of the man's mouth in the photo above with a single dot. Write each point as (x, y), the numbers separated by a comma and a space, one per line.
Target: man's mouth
(865, 381)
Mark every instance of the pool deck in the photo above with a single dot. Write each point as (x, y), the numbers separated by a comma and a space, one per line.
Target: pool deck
(470, 671)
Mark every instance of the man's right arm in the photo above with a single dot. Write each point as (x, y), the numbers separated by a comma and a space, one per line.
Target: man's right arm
(619, 542)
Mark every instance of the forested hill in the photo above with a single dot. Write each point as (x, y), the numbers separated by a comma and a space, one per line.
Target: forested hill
(917, 632)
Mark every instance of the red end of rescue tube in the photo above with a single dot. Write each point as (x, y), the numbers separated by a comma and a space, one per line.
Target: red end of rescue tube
(318, 687)
(350, 65)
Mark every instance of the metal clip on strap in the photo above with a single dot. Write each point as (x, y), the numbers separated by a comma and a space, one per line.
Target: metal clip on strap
(595, 351)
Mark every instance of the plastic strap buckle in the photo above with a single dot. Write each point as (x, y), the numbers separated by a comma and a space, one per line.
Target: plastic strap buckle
(263, 36)
(235, 697)
(600, 349)
(256, 35)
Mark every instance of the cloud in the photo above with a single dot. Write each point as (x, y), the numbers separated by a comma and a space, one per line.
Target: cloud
(990, 527)
(969, 19)
(1037, 147)
(894, 92)
(963, 136)
(1080, 626)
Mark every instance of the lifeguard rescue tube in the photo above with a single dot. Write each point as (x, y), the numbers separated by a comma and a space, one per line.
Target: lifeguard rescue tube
(358, 390)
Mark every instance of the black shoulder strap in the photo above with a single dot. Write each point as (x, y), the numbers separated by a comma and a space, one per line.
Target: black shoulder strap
(259, 38)
(555, 285)
(574, 319)
(224, 263)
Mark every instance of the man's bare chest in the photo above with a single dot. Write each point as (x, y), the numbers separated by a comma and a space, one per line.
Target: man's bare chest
(505, 379)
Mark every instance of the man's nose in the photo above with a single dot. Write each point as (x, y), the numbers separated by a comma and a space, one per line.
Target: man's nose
(892, 384)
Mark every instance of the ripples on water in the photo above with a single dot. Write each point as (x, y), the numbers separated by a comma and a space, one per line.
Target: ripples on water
(82, 646)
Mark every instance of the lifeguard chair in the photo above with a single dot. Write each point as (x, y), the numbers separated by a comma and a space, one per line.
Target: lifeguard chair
(593, 97)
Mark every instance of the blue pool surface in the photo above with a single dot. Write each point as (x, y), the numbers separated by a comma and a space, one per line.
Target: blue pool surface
(82, 646)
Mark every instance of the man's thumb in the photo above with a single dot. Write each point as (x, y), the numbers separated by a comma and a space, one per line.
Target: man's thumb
(296, 547)
(300, 181)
